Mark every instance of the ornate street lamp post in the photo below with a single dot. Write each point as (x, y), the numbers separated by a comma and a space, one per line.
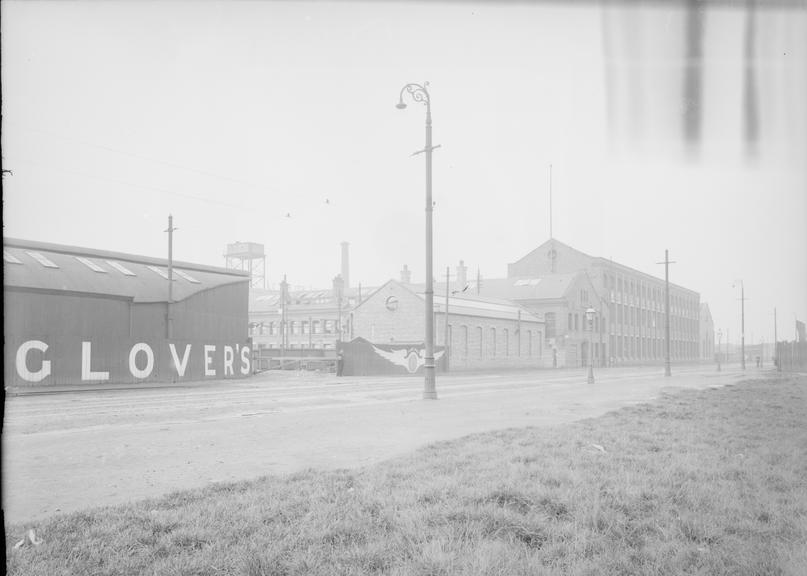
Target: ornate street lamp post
(590, 321)
(419, 93)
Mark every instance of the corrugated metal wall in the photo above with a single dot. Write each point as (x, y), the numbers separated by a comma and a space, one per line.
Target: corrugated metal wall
(113, 326)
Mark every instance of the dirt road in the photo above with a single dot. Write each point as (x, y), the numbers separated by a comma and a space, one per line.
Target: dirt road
(70, 451)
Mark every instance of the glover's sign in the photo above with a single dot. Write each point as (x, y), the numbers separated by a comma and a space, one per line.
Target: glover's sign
(35, 361)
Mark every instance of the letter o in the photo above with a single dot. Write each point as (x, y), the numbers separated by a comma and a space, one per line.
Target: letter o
(136, 372)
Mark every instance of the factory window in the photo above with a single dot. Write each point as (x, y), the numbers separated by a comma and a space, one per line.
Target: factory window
(480, 336)
(576, 321)
(529, 342)
(160, 272)
(549, 319)
(327, 326)
(292, 327)
(492, 344)
(315, 327)
(304, 326)
(570, 321)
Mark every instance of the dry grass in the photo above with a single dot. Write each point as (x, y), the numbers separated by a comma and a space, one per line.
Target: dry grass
(709, 482)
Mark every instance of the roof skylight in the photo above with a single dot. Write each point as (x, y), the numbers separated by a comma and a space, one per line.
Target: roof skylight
(120, 268)
(186, 276)
(90, 264)
(41, 258)
(159, 271)
(10, 258)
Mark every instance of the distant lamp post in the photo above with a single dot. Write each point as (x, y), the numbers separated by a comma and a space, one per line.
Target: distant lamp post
(419, 93)
(742, 320)
(719, 347)
(590, 320)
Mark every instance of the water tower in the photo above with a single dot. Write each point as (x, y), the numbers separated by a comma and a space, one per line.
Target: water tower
(248, 257)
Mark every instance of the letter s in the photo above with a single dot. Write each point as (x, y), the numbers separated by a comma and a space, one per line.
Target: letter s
(245, 361)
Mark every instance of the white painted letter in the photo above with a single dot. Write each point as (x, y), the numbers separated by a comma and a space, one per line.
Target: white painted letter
(22, 365)
(245, 362)
(86, 370)
(228, 360)
(145, 372)
(208, 350)
(180, 366)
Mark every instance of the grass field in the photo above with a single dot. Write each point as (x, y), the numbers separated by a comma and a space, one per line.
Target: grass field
(706, 482)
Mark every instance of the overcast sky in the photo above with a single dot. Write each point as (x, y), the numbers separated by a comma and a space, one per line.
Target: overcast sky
(232, 115)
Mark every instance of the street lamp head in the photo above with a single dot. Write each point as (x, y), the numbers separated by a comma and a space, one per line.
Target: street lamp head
(400, 105)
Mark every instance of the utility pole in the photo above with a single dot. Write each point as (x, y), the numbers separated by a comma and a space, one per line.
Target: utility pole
(667, 263)
(742, 324)
(550, 203)
(518, 331)
(169, 319)
(445, 336)
(775, 343)
(284, 286)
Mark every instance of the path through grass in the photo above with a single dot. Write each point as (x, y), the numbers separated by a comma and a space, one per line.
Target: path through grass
(702, 482)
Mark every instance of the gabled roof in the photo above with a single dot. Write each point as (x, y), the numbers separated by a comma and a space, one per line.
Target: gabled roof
(468, 304)
(548, 287)
(552, 243)
(53, 267)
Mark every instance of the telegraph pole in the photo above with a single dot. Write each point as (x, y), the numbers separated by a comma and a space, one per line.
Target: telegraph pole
(169, 318)
(445, 336)
(742, 324)
(775, 343)
(667, 263)
(742, 319)
(284, 286)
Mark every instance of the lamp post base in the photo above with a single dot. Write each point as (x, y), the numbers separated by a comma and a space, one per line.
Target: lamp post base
(429, 387)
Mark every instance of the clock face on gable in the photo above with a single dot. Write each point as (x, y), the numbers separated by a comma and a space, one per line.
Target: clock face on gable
(391, 303)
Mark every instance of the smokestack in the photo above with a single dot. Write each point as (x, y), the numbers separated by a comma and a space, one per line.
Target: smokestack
(406, 275)
(345, 264)
(462, 275)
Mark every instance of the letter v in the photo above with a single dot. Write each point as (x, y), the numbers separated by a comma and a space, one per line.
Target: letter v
(180, 366)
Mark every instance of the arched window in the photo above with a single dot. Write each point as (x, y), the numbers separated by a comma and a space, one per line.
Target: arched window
(464, 335)
(492, 344)
(529, 342)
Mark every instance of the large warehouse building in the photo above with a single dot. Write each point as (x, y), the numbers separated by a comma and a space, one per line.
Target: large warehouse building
(77, 315)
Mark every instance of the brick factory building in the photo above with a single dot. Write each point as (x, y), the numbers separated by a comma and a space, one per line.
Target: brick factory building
(630, 304)
(78, 315)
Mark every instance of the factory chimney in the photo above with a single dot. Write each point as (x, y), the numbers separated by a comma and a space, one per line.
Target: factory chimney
(462, 275)
(406, 275)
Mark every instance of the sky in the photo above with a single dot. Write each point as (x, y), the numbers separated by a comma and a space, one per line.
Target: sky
(275, 123)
